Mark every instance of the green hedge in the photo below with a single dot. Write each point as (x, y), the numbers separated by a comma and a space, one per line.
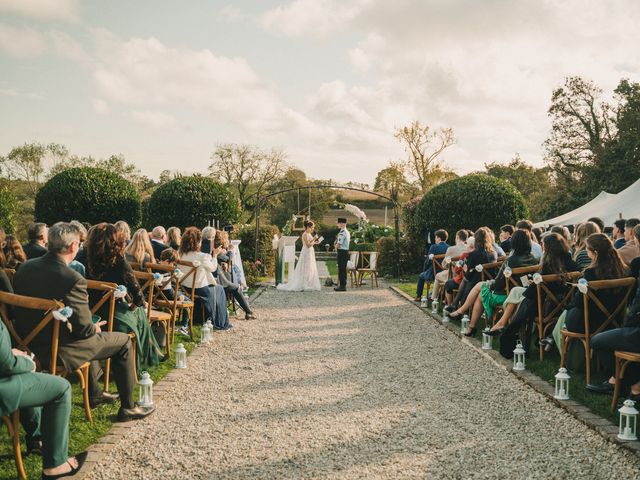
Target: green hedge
(469, 202)
(8, 208)
(192, 201)
(411, 256)
(89, 195)
(266, 255)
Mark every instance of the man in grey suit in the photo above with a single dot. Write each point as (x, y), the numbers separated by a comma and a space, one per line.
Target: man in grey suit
(50, 277)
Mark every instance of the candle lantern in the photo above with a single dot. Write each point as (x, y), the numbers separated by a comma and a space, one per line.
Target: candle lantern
(423, 302)
(464, 323)
(210, 336)
(434, 307)
(145, 392)
(181, 356)
(562, 385)
(486, 339)
(205, 333)
(518, 357)
(445, 316)
(628, 421)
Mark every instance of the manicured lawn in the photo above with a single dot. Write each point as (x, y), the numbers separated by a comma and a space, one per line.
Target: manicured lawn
(82, 434)
(332, 266)
(407, 284)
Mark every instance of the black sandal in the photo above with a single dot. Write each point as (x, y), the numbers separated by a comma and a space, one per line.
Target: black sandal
(495, 333)
(80, 458)
(471, 331)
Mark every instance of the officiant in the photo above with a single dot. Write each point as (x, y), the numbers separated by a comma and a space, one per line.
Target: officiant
(342, 248)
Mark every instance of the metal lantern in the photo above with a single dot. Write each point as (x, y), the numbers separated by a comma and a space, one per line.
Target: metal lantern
(562, 385)
(464, 323)
(445, 316)
(145, 392)
(486, 339)
(209, 331)
(205, 333)
(628, 421)
(181, 356)
(423, 302)
(518, 357)
(434, 306)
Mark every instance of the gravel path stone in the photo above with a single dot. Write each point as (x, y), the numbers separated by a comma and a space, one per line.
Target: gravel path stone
(323, 271)
(354, 385)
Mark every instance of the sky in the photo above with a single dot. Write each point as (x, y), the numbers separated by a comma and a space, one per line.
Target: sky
(327, 81)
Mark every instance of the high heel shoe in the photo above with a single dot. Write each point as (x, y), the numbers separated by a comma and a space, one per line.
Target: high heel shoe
(471, 331)
(80, 458)
(454, 314)
(449, 309)
(495, 333)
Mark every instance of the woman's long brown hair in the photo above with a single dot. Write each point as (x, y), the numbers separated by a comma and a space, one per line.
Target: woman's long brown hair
(105, 246)
(607, 264)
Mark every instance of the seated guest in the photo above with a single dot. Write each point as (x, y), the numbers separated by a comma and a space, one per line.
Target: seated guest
(492, 294)
(173, 238)
(170, 257)
(562, 231)
(105, 255)
(36, 247)
(207, 289)
(618, 234)
(506, 231)
(158, 239)
(537, 235)
(456, 283)
(598, 221)
(224, 275)
(453, 251)
(139, 249)
(50, 277)
(631, 248)
(124, 230)
(580, 253)
(75, 264)
(634, 266)
(536, 249)
(13, 252)
(606, 265)
(208, 234)
(32, 393)
(428, 274)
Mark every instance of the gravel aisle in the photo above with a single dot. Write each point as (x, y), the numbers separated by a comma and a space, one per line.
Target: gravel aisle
(354, 385)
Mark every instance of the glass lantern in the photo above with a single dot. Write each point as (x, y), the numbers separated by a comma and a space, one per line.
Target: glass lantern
(423, 301)
(518, 357)
(464, 323)
(445, 316)
(562, 385)
(181, 356)
(145, 392)
(487, 339)
(434, 307)
(205, 333)
(210, 332)
(628, 421)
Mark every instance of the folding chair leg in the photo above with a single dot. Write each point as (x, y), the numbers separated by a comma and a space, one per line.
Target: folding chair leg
(167, 335)
(563, 349)
(107, 372)
(83, 374)
(587, 357)
(13, 427)
(616, 388)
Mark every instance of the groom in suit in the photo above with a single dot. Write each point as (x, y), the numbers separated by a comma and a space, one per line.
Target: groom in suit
(342, 247)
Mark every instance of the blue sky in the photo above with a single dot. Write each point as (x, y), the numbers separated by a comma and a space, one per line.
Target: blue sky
(325, 80)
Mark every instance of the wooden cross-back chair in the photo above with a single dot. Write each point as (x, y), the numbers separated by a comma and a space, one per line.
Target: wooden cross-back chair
(107, 289)
(137, 266)
(489, 270)
(148, 287)
(450, 274)
(160, 299)
(369, 267)
(589, 299)
(188, 270)
(555, 304)
(623, 359)
(47, 307)
(353, 272)
(12, 422)
(510, 282)
(436, 266)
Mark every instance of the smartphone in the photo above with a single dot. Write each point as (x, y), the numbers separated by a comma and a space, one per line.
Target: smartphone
(95, 318)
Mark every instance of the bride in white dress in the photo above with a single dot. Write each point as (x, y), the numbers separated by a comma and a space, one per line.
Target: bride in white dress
(305, 276)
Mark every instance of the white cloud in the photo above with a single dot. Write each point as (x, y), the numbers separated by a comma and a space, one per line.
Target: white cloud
(9, 91)
(67, 46)
(100, 106)
(154, 118)
(21, 41)
(42, 9)
(232, 14)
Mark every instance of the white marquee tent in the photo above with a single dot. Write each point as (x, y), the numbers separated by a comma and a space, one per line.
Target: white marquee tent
(608, 206)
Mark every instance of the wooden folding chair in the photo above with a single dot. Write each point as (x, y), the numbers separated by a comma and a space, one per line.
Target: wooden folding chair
(136, 266)
(188, 271)
(46, 306)
(557, 304)
(588, 298)
(369, 267)
(12, 422)
(107, 289)
(148, 287)
(489, 270)
(510, 282)
(352, 272)
(623, 359)
(450, 274)
(160, 299)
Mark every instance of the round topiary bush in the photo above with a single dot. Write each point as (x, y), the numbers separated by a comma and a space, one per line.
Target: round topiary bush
(8, 208)
(192, 201)
(469, 202)
(87, 194)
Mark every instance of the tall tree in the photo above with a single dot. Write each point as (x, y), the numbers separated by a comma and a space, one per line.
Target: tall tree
(31, 161)
(424, 147)
(392, 178)
(248, 169)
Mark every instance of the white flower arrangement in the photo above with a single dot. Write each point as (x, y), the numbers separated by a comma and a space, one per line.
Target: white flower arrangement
(356, 212)
(63, 315)
(583, 286)
(537, 278)
(120, 292)
(479, 268)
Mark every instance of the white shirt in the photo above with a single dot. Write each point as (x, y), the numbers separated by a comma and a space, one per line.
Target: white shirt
(204, 273)
(456, 250)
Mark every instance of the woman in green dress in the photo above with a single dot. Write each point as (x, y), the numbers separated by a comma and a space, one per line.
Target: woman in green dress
(105, 261)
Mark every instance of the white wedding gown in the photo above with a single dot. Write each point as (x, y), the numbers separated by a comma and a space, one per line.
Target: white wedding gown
(305, 276)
